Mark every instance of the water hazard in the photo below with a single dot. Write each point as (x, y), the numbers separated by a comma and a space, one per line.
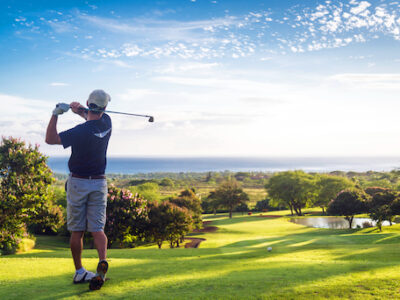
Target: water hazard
(335, 222)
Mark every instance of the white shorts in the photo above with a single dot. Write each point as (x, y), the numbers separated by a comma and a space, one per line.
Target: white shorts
(86, 204)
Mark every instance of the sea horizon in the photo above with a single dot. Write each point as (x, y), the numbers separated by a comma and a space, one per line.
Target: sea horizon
(153, 164)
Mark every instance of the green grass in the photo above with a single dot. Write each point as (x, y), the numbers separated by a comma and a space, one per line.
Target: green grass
(233, 263)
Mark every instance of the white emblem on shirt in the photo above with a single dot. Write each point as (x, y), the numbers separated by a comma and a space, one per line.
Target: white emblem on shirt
(102, 134)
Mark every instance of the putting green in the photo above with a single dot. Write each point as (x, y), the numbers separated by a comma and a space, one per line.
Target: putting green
(233, 263)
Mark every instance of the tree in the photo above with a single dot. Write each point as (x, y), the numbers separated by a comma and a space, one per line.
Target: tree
(188, 199)
(229, 195)
(158, 222)
(329, 186)
(167, 182)
(295, 189)
(348, 203)
(180, 223)
(168, 222)
(381, 207)
(24, 190)
(210, 204)
(127, 217)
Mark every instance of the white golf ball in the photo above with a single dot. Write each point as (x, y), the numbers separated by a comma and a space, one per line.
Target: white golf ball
(269, 249)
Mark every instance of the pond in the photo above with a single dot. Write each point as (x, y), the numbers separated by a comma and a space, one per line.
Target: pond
(334, 222)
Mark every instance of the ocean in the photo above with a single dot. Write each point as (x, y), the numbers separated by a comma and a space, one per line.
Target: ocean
(134, 165)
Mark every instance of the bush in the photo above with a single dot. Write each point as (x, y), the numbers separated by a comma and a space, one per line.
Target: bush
(367, 224)
(243, 207)
(168, 222)
(167, 182)
(24, 192)
(188, 199)
(26, 245)
(127, 218)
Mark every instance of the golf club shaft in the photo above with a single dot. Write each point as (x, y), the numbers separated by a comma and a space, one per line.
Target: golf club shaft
(128, 114)
(117, 112)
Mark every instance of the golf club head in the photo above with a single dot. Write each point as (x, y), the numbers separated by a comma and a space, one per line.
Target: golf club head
(151, 119)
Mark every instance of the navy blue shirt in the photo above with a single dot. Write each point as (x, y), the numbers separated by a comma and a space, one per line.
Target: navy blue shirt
(89, 142)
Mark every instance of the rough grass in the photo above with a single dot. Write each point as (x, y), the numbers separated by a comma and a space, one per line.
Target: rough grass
(233, 263)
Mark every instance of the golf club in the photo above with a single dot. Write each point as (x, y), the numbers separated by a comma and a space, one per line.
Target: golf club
(151, 118)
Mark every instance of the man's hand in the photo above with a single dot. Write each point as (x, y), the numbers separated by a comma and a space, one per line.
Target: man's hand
(79, 109)
(60, 109)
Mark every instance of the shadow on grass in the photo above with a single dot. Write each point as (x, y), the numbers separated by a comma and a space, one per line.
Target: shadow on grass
(200, 273)
(232, 271)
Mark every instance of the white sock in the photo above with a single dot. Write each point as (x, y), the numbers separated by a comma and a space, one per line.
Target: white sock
(81, 270)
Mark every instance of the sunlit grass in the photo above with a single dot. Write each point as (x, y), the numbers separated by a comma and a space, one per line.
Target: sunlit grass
(233, 263)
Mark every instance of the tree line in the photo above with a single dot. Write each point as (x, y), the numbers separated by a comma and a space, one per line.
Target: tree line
(29, 205)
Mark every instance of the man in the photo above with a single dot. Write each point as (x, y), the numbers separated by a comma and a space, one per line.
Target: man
(86, 185)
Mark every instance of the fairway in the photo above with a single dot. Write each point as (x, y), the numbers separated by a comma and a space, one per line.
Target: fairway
(233, 263)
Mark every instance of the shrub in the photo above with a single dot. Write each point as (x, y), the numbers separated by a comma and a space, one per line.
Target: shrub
(188, 199)
(366, 224)
(127, 218)
(243, 207)
(374, 190)
(167, 182)
(24, 192)
(168, 222)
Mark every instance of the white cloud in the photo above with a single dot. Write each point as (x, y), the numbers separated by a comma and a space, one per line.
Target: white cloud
(362, 6)
(59, 84)
(370, 81)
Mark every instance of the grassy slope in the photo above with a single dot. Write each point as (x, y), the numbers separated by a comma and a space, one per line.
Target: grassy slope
(305, 263)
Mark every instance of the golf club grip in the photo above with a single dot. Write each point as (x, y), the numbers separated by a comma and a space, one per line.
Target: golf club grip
(83, 109)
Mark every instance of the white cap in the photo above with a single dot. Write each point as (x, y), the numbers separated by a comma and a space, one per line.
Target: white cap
(99, 97)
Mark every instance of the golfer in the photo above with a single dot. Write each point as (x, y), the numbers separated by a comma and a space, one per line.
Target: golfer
(86, 185)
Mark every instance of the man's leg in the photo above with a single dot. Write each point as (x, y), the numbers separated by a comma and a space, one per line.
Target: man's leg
(100, 242)
(76, 243)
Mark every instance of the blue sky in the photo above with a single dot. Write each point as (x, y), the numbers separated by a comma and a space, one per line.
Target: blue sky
(234, 78)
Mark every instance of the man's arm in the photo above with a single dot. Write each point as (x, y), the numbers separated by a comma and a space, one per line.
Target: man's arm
(52, 137)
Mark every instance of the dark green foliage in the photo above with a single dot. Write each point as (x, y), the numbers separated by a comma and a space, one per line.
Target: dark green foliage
(329, 186)
(374, 190)
(380, 207)
(210, 204)
(229, 194)
(348, 203)
(168, 222)
(243, 207)
(296, 189)
(180, 223)
(127, 218)
(167, 182)
(265, 205)
(158, 221)
(188, 199)
(24, 193)
(240, 176)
